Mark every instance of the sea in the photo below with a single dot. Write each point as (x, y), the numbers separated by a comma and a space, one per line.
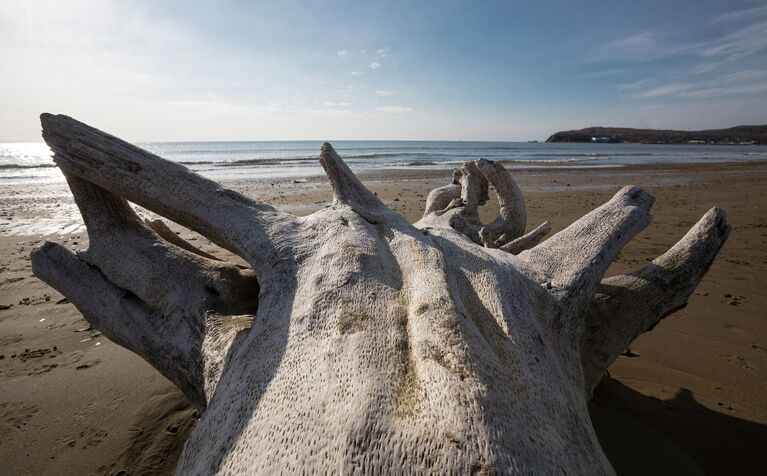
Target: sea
(22, 163)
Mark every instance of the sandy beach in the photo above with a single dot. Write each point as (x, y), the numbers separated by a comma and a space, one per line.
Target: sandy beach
(689, 398)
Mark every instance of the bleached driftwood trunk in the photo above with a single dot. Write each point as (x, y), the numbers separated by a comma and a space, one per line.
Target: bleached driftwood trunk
(360, 342)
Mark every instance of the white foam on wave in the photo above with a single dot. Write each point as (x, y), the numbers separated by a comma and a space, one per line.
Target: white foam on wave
(59, 221)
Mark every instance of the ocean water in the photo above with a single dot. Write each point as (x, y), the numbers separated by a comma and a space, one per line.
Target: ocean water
(31, 162)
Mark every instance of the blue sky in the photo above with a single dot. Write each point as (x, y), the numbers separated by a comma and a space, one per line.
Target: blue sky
(230, 70)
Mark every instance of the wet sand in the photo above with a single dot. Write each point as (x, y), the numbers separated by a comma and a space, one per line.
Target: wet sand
(690, 397)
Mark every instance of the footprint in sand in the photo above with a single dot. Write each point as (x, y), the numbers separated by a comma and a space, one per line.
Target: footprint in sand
(15, 415)
(30, 361)
(42, 369)
(7, 340)
(87, 365)
(738, 360)
(85, 439)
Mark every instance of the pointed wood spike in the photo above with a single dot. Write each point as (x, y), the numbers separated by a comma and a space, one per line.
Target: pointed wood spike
(627, 305)
(575, 260)
(249, 228)
(347, 188)
(528, 240)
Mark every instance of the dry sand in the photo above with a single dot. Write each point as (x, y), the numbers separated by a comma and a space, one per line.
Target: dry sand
(690, 397)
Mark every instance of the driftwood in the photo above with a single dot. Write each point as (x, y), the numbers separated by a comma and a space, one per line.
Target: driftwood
(359, 342)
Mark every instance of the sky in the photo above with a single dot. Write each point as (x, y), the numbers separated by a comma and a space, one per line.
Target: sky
(410, 70)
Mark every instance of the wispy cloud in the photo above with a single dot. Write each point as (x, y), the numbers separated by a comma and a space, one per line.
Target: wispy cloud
(336, 104)
(605, 72)
(736, 45)
(752, 88)
(749, 81)
(634, 85)
(357, 73)
(663, 90)
(638, 43)
(384, 92)
(374, 65)
(705, 68)
(721, 65)
(645, 46)
(652, 45)
(742, 15)
(394, 109)
(382, 52)
(342, 52)
(748, 75)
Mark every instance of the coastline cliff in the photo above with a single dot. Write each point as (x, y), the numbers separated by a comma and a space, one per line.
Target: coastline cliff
(738, 135)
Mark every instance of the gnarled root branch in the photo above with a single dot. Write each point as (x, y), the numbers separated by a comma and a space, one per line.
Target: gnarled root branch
(573, 261)
(456, 206)
(512, 217)
(439, 198)
(173, 299)
(627, 305)
(159, 227)
(527, 241)
(250, 229)
(168, 296)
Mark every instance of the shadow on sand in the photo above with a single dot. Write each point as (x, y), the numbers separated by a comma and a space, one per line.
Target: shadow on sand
(646, 435)
(641, 435)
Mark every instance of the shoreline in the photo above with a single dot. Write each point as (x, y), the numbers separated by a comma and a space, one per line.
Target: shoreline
(47, 208)
(690, 398)
(270, 160)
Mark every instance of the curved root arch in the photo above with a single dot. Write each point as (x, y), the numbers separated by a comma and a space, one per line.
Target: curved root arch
(459, 201)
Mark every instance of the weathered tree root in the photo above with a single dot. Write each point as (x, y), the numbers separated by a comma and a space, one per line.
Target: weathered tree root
(525, 242)
(627, 305)
(159, 227)
(469, 191)
(359, 342)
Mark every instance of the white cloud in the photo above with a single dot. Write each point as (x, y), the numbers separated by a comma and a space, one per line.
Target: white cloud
(742, 15)
(604, 73)
(394, 109)
(640, 42)
(634, 85)
(747, 81)
(724, 65)
(664, 90)
(643, 46)
(752, 88)
(704, 68)
(738, 44)
(336, 104)
(357, 73)
(648, 45)
(374, 65)
(748, 74)
(384, 92)
(342, 52)
(382, 52)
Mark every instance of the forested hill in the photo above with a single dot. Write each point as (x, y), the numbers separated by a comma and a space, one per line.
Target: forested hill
(733, 135)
